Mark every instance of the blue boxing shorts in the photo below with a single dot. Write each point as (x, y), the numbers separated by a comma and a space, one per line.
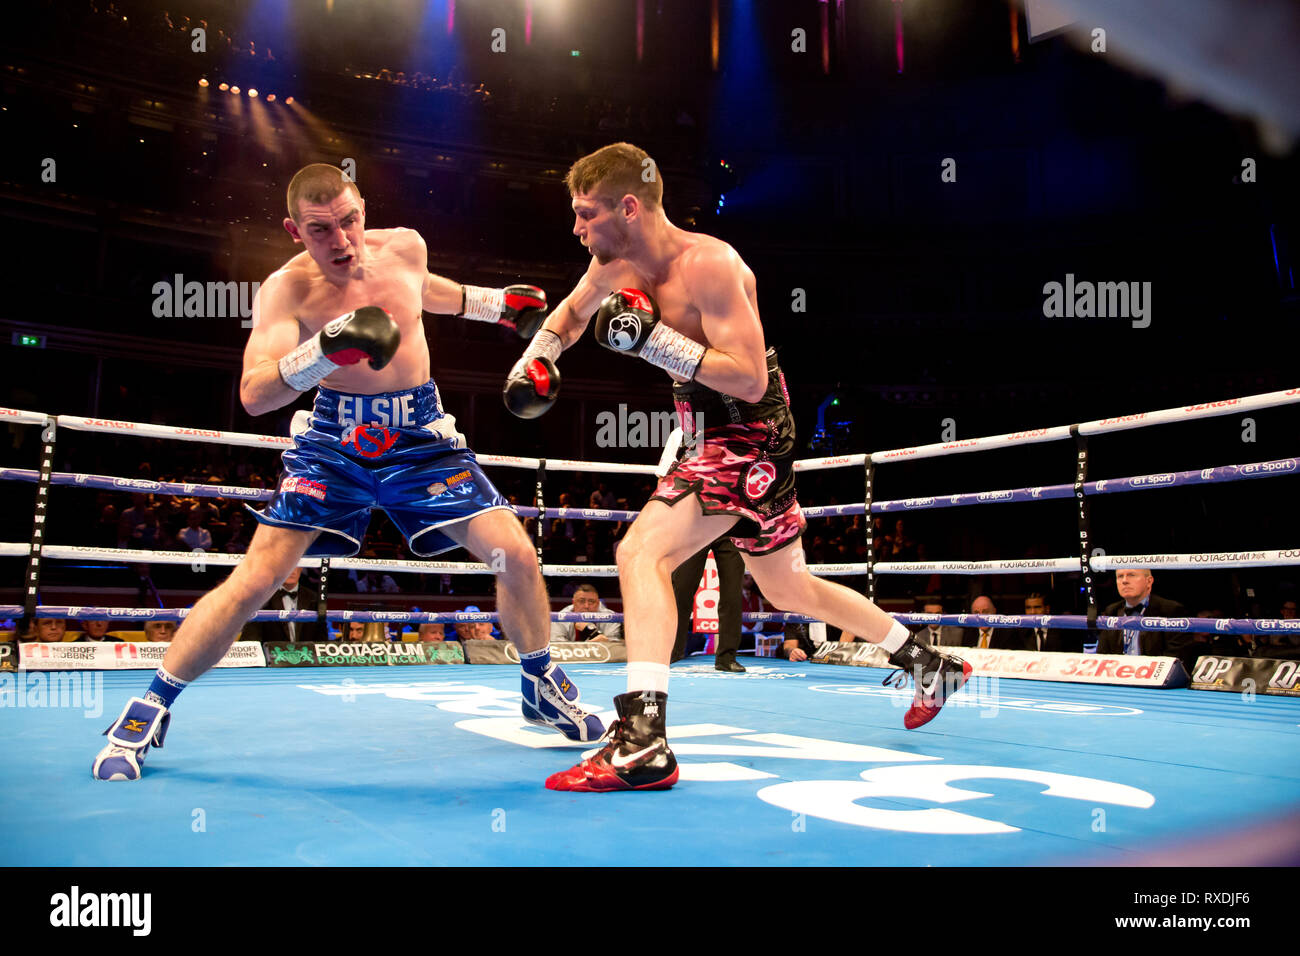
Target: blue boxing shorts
(396, 451)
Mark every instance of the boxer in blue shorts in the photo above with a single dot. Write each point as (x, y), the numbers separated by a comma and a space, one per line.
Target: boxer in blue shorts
(346, 314)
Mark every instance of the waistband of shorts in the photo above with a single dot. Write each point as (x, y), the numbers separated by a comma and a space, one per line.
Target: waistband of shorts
(719, 409)
(409, 408)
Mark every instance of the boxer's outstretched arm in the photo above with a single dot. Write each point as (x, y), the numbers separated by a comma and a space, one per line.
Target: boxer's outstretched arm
(438, 294)
(570, 318)
(736, 362)
(275, 334)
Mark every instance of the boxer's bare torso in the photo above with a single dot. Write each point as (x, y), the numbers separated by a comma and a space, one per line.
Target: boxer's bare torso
(693, 288)
(298, 300)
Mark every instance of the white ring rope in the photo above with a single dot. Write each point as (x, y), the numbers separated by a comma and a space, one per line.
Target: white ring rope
(1208, 561)
(1096, 427)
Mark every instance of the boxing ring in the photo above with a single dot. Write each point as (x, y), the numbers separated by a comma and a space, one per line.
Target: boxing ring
(788, 764)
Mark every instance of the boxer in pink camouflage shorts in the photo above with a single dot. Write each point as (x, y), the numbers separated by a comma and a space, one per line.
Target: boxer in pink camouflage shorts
(687, 303)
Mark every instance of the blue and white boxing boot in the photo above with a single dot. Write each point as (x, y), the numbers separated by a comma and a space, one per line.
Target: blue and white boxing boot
(143, 724)
(551, 700)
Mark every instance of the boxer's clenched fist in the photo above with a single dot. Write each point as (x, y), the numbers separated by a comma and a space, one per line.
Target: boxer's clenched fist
(534, 383)
(518, 307)
(628, 321)
(368, 333)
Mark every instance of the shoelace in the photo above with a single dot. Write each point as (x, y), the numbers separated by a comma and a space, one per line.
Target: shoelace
(897, 678)
(610, 740)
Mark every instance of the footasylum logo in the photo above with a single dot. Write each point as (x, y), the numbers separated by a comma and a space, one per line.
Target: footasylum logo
(77, 909)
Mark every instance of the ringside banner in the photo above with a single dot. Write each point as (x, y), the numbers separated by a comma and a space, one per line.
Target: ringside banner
(114, 655)
(582, 652)
(1031, 665)
(338, 653)
(1260, 675)
(8, 656)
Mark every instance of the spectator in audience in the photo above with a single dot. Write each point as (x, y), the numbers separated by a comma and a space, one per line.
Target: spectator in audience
(586, 600)
(981, 636)
(46, 630)
(938, 635)
(295, 594)
(159, 631)
(194, 536)
(797, 646)
(357, 632)
(131, 520)
(95, 631)
(238, 534)
(474, 630)
(1280, 644)
(432, 633)
(1038, 638)
(1136, 600)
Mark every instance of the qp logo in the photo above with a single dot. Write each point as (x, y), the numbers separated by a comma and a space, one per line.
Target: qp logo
(758, 479)
(624, 330)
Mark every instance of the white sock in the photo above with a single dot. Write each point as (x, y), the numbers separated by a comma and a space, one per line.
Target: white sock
(645, 675)
(895, 638)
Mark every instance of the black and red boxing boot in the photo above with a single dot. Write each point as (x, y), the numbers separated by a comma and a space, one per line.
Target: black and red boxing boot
(937, 678)
(635, 756)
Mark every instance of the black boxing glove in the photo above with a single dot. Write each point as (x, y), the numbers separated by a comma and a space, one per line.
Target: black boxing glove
(628, 322)
(534, 383)
(518, 307)
(369, 332)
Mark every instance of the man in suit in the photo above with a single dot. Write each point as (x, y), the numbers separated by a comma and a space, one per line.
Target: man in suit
(294, 594)
(983, 636)
(1054, 639)
(1136, 600)
(936, 635)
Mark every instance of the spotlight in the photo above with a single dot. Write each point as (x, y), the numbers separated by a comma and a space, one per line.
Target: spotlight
(252, 93)
(235, 90)
(223, 87)
(288, 101)
(203, 81)
(270, 97)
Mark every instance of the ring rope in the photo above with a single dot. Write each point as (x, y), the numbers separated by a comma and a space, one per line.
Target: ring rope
(1095, 427)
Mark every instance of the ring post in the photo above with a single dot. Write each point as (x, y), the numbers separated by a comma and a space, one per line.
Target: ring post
(541, 509)
(1085, 542)
(33, 581)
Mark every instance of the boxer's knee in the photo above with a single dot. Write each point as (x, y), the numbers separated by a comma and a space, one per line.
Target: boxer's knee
(514, 562)
(252, 582)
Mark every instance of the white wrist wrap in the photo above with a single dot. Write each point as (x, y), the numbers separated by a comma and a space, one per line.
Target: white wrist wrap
(306, 366)
(545, 344)
(483, 305)
(673, 352)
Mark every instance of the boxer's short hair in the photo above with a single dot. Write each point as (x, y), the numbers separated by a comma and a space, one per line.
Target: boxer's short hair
(616, 170)
(319, 183)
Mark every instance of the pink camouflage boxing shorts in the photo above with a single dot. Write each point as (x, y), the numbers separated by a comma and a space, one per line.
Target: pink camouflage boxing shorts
(741, 463)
